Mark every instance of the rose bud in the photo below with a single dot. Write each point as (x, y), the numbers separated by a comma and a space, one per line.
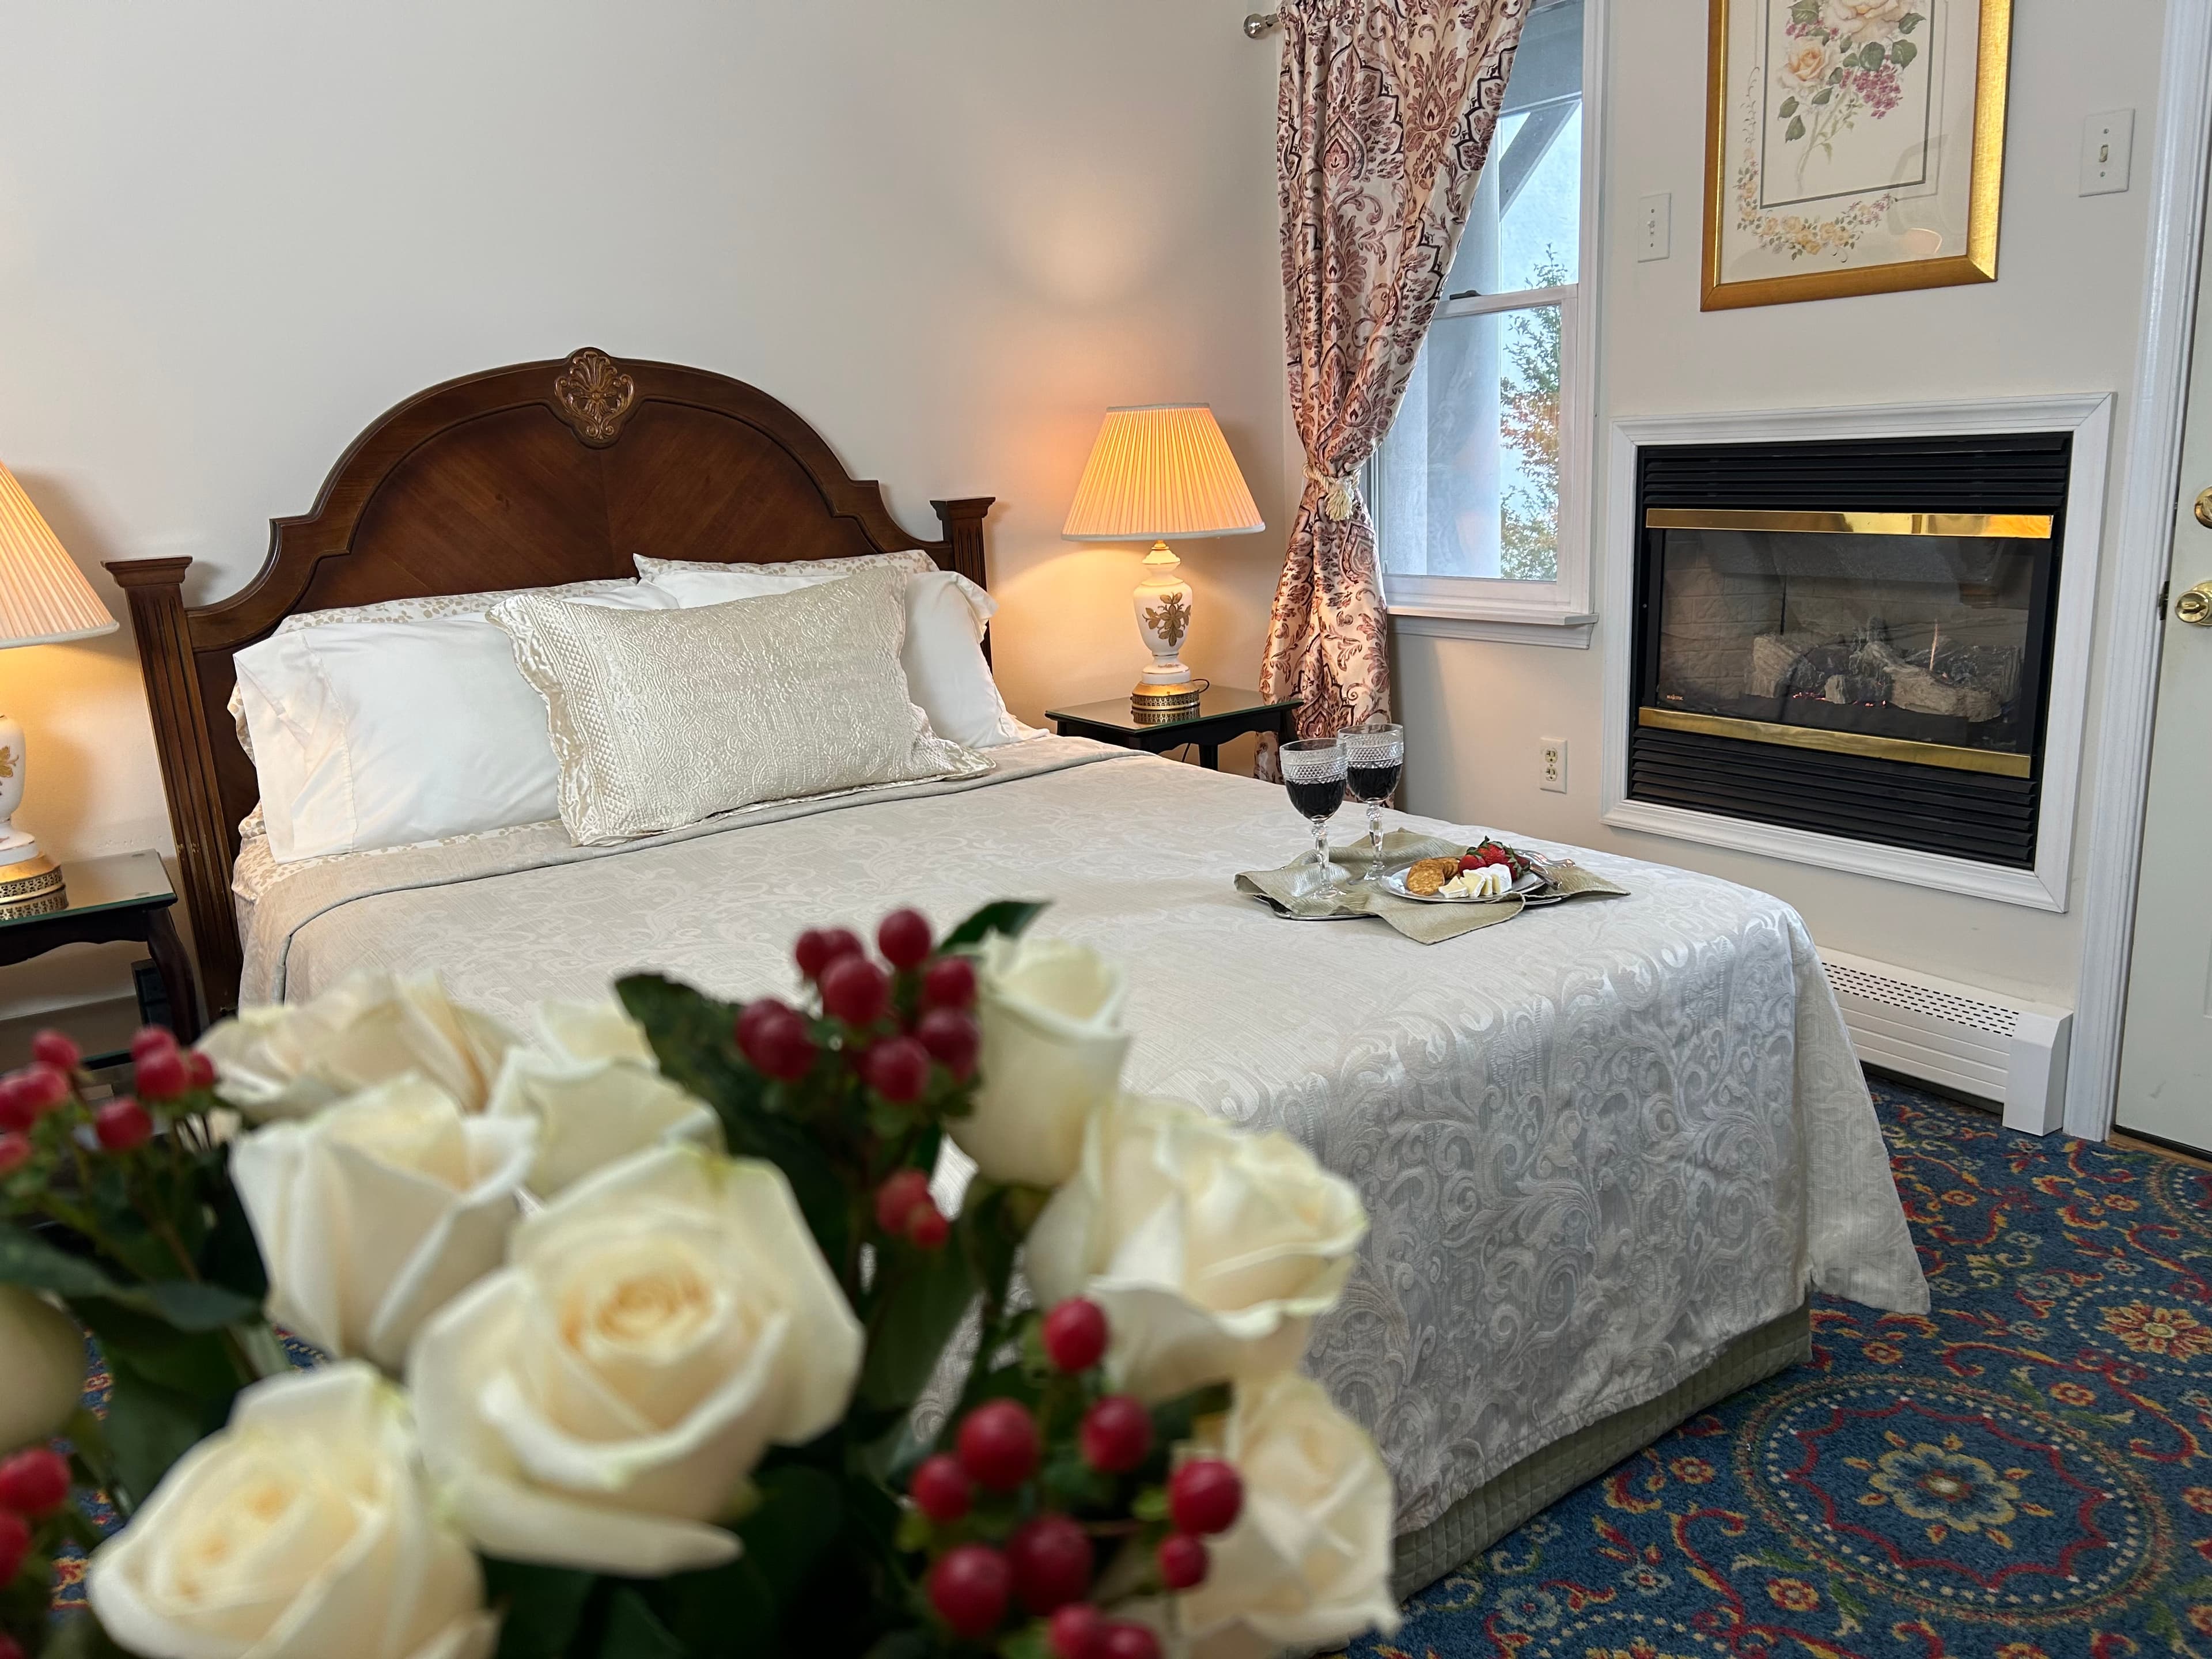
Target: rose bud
(903, 938)
(162, 1075)
(51, 1048)
(199, 1070)
(148, 1038)
(122, 1125)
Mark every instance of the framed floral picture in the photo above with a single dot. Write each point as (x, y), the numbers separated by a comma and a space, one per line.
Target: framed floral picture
(1852, 147)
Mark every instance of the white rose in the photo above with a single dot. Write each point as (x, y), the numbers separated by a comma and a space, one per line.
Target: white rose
(1307, 1564)
(1052, 1048)
(593, 1031)
(1855, 19)
(590, 1113)
(598, 1401)
(1210, 1250)
(1806, 65)
(45, 1368)
(288, 1060)
(376, 1212)
(302, 1531)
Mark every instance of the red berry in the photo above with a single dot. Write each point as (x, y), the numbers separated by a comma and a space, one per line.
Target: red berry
(898, 1069)
(15, 1113)
(10, 1647)
(775, 1038)
(14, 1152)
(199, 1070)
(1117, 1434)
(122, 1125)
(1075, 1334)
(926, 1226)
(953, 1039)
(949, 982)
(968, 1588)
(898, 1197)
(28, 1095)
(149, 1038)
(855, 990)
(1123, 1640)
(14, 1543)
(998, 1444)
(940, 1488)
(1181, 1561)
(162, 1075)
(903, 938)
(51, 1048)
(34, 1481)
(818, 947)
(1205, 1495)
(1075, 1631)
(1050, 1558)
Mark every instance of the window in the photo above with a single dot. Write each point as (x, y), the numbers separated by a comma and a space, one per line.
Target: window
(1477, 491)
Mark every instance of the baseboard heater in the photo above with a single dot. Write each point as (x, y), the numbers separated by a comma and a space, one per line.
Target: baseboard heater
(1959, 1037)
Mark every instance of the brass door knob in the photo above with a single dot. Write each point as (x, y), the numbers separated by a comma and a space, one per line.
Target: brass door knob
(2195, 607)
(2204, 507)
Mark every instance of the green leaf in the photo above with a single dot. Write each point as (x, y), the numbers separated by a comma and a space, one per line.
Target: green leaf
(1007, 916)
(634, 1631)
(1029, 1642)
(1871, 57)
(924, 1295)
(36, 1265)
(1903, 53)
(1150, 1504)
(1789, 106)
(1910, 22)
(1805, 11)
(79, 1637)
(1175, 1419)
(800, 1511)
(900, 1645)
(151, 1425)
(540, 1607)
(191, 1307)
(1795, 129)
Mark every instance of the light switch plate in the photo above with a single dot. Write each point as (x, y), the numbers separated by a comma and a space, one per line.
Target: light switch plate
(2108, 142)
(1655, 226)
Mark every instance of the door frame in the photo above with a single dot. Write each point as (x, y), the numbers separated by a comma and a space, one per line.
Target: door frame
(2140, 552)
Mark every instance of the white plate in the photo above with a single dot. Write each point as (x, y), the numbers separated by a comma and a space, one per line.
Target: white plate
(1525, 884)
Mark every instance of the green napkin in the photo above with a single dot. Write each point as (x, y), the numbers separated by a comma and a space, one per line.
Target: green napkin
(1296, 889)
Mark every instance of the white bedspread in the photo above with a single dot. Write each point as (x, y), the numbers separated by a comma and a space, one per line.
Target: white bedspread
(1598, 1142)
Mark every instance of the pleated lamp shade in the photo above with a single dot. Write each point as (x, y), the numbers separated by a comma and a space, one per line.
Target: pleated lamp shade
(44, 597)
(1160, 470)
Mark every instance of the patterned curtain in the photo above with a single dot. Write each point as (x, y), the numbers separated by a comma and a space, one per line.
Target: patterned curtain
(1383, 119)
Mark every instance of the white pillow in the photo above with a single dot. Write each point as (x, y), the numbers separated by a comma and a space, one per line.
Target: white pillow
(384, 733)
(662, 720)
(947, 674)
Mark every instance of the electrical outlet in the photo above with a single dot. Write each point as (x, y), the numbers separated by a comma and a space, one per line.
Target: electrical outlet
(1554, 753)
(2108, 142)
(1655, 224)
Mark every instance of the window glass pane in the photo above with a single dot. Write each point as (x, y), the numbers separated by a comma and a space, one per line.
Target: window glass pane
(1524, 230)
(1469, 481)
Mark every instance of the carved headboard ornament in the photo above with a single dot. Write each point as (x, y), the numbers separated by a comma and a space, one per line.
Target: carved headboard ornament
(593, 395)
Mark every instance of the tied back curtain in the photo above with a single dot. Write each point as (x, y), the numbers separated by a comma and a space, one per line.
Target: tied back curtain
(1383, 121)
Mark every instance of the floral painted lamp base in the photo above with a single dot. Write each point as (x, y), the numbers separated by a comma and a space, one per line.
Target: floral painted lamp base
(1163, 603)
(28, 879)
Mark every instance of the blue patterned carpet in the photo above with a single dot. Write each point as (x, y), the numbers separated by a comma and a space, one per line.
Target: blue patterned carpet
(2024, 1473)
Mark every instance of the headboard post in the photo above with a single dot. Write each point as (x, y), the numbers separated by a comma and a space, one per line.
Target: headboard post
(964, 533)
(156, 590)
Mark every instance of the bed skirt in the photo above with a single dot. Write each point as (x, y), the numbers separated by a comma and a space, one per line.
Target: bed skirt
(1495, 1507)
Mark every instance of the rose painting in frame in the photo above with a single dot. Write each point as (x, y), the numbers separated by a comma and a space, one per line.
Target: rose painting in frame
(1852, 147)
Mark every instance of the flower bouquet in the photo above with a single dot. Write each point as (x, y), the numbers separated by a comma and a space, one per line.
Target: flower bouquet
(669, 1329)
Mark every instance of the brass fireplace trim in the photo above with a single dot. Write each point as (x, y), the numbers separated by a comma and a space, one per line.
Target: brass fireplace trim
(2012, 526)
(1841, 742)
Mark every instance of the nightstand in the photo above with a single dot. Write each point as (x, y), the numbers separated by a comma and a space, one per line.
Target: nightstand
(1223, 713)
(125, 899)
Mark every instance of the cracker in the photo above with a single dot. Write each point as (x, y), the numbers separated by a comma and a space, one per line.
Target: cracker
(1430, 874)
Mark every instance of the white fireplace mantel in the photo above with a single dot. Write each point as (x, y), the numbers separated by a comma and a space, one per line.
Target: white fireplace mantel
(2090, 418)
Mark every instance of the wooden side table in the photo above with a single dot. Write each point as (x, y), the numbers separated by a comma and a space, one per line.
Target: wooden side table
(124, 899)
(1224, 712)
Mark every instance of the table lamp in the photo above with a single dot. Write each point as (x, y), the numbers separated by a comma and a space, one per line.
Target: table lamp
(44, 600)
(1157, 470)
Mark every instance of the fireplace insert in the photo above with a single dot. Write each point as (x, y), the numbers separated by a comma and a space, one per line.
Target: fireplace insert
(1852, 637)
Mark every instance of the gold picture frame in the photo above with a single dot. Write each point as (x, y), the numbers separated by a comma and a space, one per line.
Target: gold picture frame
(1865, 243)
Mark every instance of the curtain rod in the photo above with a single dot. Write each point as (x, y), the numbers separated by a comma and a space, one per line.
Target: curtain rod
(1259, 22)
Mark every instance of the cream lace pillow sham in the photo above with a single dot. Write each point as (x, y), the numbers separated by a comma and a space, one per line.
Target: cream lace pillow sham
(661, 718)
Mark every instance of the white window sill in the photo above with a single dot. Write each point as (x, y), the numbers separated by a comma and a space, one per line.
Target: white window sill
(1568, 629)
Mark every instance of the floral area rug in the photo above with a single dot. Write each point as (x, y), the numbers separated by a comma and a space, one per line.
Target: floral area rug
(2025, 1473)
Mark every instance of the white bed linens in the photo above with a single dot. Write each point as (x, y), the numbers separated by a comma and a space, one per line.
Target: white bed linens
(1597, 1143)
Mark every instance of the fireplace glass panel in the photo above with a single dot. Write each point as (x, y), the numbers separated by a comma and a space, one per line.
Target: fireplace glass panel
(1902, 645)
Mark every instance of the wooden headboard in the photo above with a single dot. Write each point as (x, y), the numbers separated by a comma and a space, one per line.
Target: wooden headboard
(526, 476)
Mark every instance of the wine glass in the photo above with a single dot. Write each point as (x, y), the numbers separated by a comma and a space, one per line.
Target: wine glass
(1374, 760)
(1313, 774)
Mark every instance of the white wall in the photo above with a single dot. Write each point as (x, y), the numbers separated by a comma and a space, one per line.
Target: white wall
(950, 235)
(2061, 317)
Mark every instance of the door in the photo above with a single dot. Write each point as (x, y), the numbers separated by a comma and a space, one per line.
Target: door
(2166, 1052)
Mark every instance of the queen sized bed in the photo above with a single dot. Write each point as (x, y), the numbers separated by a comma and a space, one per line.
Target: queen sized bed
(1608, 1147)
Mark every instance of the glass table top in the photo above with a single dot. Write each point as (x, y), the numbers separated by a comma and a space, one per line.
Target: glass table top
(121, 881)
(1213, 703)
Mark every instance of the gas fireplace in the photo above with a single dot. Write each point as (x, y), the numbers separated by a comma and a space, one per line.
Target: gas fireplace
(1852, 637)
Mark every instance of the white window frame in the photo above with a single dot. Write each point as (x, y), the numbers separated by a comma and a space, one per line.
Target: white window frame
(1557, 612)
